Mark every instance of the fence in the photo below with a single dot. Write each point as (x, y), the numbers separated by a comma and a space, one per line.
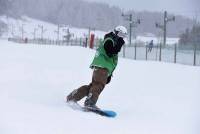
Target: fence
(171, 53)
(167, 54)
(74, 42)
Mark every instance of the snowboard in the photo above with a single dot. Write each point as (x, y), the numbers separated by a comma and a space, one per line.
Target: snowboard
(102, 112)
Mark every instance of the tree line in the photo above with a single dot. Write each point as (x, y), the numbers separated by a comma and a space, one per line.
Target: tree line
(84, 14)
(191, 37)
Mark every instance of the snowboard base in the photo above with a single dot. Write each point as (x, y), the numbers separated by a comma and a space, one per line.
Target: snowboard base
(106, 113)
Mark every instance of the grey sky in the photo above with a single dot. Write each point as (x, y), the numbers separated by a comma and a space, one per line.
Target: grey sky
(183, 7)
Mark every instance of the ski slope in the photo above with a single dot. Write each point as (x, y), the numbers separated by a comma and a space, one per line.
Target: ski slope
(149, 97)
(50, 31)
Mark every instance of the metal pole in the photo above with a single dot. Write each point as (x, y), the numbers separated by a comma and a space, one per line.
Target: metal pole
(58, 32)
(135, 51)
(175, 52)
(146, 52)
(160, 52)
(165, 28)
(42, 30)
(80, 41)
(86, 41)
(195, 51)
(34, 33)
(124, 51)
(42, 33)
(89, 31)
(130, 35)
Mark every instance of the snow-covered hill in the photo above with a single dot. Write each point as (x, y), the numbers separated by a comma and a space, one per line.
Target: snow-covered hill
(149, 97)
(30, 25)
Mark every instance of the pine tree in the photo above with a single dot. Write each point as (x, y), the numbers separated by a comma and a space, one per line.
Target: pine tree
(190, 37)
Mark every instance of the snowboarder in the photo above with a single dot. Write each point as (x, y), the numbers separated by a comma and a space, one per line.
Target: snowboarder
(104, 63)
(150, 46)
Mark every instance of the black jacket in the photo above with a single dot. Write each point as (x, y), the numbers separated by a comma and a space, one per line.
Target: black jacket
(111, 48)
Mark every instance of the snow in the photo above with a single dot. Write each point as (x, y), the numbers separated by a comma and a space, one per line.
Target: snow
(149, 97)
(29, 24)
(156, 40)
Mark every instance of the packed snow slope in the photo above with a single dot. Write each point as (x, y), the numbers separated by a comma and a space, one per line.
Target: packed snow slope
(149, 97)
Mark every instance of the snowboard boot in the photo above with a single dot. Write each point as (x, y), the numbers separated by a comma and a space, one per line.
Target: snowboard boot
(79, 93)
(70, 97)
(90, 102)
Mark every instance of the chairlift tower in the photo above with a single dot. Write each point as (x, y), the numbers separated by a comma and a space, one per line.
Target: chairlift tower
(132, 23)
(164, 26)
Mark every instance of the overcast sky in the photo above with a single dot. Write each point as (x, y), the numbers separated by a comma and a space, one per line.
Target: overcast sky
(183, 7)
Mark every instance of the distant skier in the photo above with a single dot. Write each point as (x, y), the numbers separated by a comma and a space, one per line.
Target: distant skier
(104, 63)
(150, 46)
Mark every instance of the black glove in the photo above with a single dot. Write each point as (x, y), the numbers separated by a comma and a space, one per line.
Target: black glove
(108, 79)
(121, 41)
(111, 48)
